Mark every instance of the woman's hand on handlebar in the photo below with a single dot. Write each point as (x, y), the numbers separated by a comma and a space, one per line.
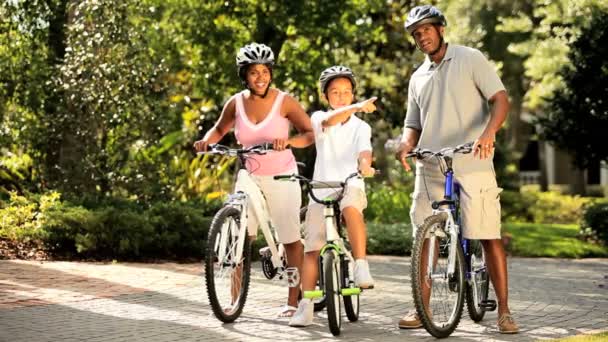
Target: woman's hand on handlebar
(201, 145)
(280, 144)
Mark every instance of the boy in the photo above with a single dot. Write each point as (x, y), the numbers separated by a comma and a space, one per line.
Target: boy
(343, 146)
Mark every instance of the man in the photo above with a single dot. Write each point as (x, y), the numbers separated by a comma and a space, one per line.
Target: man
(448, 105)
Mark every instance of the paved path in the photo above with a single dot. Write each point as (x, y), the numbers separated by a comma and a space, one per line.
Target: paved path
(70, 301)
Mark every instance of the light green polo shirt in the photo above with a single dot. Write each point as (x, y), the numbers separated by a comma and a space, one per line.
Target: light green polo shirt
(448, 103)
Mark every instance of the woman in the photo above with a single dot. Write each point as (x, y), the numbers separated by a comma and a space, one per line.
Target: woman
(262, 114)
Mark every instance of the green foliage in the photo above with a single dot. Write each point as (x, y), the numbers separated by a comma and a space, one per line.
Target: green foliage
(389, 239)
(109, 81)
(549, 240)
(550, 27)
(388, 204)
(595, 221)
(541, 207)
(23, 218)
(122, 231)
(580, 108)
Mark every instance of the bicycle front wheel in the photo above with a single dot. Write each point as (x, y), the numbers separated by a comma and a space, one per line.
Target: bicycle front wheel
(479, 285)
(351, 302)
(331, 272)
(226, 274)
(438, 292)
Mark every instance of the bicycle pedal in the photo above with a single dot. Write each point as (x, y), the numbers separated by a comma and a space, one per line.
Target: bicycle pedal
(313, 294)
(488, 305)
(351, 291)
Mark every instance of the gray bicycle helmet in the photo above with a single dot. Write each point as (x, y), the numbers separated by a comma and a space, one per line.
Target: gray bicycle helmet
(336, 71)
(254, 53)
(426, 14)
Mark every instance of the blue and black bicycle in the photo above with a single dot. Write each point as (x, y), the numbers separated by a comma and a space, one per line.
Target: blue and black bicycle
(447, 268)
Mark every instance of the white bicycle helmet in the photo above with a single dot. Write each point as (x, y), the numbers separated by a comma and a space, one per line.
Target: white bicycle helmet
(254, 53)
(426, 14)
(336, 71)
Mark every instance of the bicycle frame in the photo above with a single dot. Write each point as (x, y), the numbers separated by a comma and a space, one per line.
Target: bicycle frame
(451, 196)
(453, 226)
(249, 194)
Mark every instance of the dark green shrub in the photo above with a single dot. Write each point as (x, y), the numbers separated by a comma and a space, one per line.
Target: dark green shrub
(515, 205)
(388, 204)
(595, 221)
(389, 239)
(122, 230)
(541, 207)
(180, 228)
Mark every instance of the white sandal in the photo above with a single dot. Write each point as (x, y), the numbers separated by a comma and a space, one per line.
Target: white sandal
(287, 311)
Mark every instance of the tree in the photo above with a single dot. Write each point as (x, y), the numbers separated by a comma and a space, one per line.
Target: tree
(577, 114)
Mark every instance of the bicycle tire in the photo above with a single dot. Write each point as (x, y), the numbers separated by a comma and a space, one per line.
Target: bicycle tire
(351, 303)
(221, 276)
(331, 268)
(480, 271)
(444, 314)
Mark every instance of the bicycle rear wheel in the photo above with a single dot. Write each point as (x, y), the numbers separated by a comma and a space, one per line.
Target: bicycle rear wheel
(438, 295)
(331, 272)
(227, 278)
(478, 287)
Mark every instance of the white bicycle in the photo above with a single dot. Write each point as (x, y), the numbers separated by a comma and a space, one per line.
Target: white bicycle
(228, 253)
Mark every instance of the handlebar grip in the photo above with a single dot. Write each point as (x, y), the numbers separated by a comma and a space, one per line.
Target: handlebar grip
(279, 177)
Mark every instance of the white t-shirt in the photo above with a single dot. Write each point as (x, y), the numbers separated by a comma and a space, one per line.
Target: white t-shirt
(338, 149)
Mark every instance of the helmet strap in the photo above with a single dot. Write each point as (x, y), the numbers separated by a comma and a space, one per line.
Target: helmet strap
(244, 81)
(441, 42)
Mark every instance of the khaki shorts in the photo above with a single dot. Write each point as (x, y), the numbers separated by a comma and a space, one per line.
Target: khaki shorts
(284, 200)
(479, 197)
(314, 226)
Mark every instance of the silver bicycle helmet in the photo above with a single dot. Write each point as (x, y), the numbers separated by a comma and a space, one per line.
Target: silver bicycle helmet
(426, 14)
(254, 53)
(336, 71)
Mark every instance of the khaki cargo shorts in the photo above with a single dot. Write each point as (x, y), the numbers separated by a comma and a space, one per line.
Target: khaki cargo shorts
(479, 196)
(314, 226)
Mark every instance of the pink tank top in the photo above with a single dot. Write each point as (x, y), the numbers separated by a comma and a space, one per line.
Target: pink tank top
(274, 126)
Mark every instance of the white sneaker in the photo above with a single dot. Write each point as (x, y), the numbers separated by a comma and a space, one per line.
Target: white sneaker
(304, 315)
(363, 278)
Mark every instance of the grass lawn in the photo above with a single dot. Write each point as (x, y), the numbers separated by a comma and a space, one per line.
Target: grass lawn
(550, 240)
(584, 338)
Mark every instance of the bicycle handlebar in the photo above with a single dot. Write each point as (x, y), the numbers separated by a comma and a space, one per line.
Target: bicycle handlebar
(423, 153)
(222, 149)
(313, 184)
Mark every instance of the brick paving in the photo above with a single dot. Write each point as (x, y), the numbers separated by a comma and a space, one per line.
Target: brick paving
(73, 301)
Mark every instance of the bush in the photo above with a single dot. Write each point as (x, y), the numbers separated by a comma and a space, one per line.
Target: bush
(22, 217)
(124, 231)
(389, 239)
(595, 221)
(541, 207)
(388, 204)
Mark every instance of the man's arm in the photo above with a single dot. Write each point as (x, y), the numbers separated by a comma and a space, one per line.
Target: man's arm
(408, 142)
(484, 145)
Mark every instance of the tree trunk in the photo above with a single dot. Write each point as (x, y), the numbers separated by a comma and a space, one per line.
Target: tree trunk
(51, 148)
(542, 165)
(579, 182)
